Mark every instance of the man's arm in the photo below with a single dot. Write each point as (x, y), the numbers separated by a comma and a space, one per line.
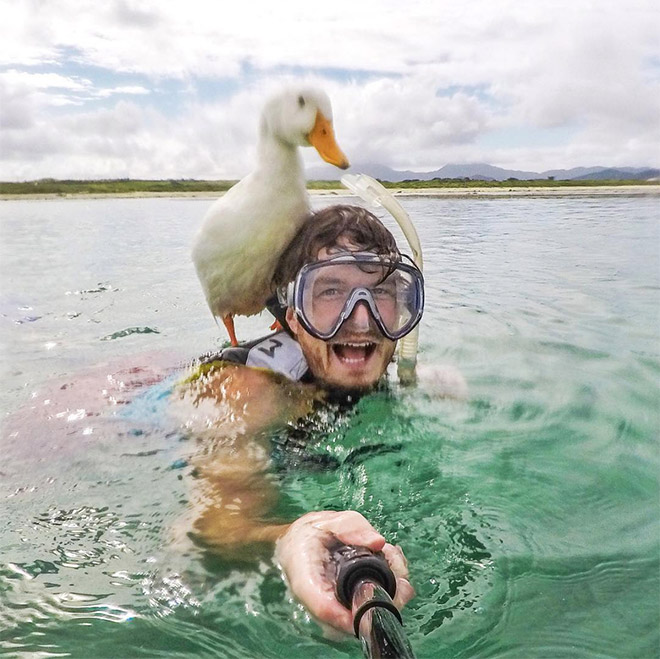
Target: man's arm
(234, 491)
(228, 409)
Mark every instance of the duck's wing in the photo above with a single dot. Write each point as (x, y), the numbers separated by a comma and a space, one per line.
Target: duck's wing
(239, 244)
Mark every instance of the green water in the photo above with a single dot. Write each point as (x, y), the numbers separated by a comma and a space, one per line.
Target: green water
(528, 513)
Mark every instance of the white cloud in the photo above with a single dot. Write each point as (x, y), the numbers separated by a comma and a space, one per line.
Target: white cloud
(127, 89)
(413, 86)
(14, 78)
(403, 122)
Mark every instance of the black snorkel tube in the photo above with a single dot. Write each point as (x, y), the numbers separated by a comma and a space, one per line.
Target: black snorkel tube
(365, 584)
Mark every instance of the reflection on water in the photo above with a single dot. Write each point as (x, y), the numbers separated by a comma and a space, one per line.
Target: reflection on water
(528, 513)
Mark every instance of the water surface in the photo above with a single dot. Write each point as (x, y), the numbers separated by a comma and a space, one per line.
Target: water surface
(529, 512)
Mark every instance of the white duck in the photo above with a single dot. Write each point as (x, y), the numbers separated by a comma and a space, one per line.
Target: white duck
(245, 231)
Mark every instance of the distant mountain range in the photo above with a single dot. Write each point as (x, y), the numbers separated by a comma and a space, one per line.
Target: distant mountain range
(485, 172)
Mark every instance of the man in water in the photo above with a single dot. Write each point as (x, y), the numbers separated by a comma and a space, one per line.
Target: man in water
(348, 296)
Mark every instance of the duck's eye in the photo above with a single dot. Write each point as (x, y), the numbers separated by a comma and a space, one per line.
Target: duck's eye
(301, 101)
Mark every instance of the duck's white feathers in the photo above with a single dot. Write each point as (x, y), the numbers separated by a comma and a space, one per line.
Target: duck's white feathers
(244, 233)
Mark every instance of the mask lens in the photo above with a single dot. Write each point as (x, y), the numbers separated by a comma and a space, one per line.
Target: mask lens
(329, 293)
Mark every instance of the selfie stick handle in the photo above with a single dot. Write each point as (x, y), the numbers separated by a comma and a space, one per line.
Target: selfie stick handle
(373, 192)
(365, 584)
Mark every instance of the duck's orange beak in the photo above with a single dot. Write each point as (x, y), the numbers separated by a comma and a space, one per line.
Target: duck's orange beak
(322, 138)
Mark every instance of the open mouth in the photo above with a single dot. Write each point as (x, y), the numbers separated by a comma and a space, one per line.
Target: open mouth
(353, 353)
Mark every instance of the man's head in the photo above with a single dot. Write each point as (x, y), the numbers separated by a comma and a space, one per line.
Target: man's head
(344, 245)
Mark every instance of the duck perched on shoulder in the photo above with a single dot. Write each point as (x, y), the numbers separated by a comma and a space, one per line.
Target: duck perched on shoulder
(245, 231)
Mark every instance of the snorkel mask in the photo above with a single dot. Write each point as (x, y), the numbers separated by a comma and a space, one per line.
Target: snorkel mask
(325, 293)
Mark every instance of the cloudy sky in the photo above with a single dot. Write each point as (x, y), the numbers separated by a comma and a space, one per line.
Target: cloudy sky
(173, 89)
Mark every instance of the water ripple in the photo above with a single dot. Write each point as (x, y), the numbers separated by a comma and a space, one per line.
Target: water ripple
(120, 334)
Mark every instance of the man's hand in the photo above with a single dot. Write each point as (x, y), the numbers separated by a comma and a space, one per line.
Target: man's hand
(303, 554)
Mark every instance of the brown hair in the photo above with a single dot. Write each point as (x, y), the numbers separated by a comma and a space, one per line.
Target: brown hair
(324, 228)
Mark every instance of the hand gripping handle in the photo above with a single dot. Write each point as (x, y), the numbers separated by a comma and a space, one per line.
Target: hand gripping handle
(353, 567)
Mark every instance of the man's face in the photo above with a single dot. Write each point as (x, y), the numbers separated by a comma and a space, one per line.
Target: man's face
(356, 357)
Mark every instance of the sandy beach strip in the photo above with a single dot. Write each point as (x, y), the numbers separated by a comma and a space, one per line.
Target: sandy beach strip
(559, 191)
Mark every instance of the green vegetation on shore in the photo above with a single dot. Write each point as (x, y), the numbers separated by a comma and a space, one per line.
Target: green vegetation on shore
(469, 183)
(112, 186)
(133, 186)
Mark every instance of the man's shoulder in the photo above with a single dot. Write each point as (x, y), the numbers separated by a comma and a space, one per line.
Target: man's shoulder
(278, 352)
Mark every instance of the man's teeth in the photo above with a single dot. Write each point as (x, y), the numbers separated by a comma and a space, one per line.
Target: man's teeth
(353, 352)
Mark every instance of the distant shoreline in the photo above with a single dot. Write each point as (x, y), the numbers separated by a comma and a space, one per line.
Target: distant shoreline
(444, 192)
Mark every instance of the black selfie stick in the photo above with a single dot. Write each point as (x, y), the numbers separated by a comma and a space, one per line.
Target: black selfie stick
(365, 584)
